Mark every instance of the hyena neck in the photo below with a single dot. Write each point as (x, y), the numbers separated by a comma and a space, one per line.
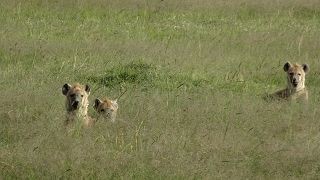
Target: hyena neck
(113, 116)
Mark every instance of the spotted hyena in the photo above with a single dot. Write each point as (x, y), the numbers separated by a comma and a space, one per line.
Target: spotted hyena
(296, 88)
(106, 108)
(77, 103)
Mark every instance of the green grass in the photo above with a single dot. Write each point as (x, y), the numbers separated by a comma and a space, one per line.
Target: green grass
(195, 73)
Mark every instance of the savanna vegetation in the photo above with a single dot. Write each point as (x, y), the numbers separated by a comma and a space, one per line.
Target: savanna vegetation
(195, 72)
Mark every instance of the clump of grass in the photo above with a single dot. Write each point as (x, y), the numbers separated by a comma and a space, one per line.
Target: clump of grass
(133, 73)
(146, 75)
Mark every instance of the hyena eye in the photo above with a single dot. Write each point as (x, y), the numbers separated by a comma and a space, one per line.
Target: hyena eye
(102, 110)
(299, 74)
(72, 95)
(111, 110)
(291, 74)
(81, 95)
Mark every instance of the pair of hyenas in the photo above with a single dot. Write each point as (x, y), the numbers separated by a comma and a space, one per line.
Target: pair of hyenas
(77, 104)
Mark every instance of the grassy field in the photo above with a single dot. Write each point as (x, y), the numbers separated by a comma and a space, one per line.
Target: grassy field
(195, 73)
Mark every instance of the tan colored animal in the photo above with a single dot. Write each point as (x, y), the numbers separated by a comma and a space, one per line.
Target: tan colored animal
(296, 89)
(77, 103)
(106, 108)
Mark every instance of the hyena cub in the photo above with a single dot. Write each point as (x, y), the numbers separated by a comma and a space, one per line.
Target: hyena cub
(296, 88)
(77, 103)
(106, 108)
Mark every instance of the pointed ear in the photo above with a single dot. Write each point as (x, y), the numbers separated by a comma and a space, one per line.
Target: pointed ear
(65, 89)
(87, 88)
(306, 68)
(115, 104)
(96, 103)
(286, 66)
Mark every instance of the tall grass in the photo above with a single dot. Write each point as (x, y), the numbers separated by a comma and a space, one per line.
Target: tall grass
(195, 72)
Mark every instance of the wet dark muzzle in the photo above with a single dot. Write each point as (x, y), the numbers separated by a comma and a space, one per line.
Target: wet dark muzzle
(75, 104)
(295, 83)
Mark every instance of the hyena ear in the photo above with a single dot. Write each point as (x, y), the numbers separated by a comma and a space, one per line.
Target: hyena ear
(65, 89)
(286, 66)
(96, 103)
(115, 104)
(87, 88)
(306, 68)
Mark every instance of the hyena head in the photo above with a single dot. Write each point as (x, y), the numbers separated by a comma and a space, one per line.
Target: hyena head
(77, 96)
(296, 75)
(106, 108)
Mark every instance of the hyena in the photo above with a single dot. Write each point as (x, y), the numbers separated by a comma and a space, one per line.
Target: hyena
(296, 89)
(77, 103)
(106, 108)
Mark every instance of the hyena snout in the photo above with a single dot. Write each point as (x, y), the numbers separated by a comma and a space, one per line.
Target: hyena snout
(105, 111)
(75, 104)
(75, 101)
(295, 81)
